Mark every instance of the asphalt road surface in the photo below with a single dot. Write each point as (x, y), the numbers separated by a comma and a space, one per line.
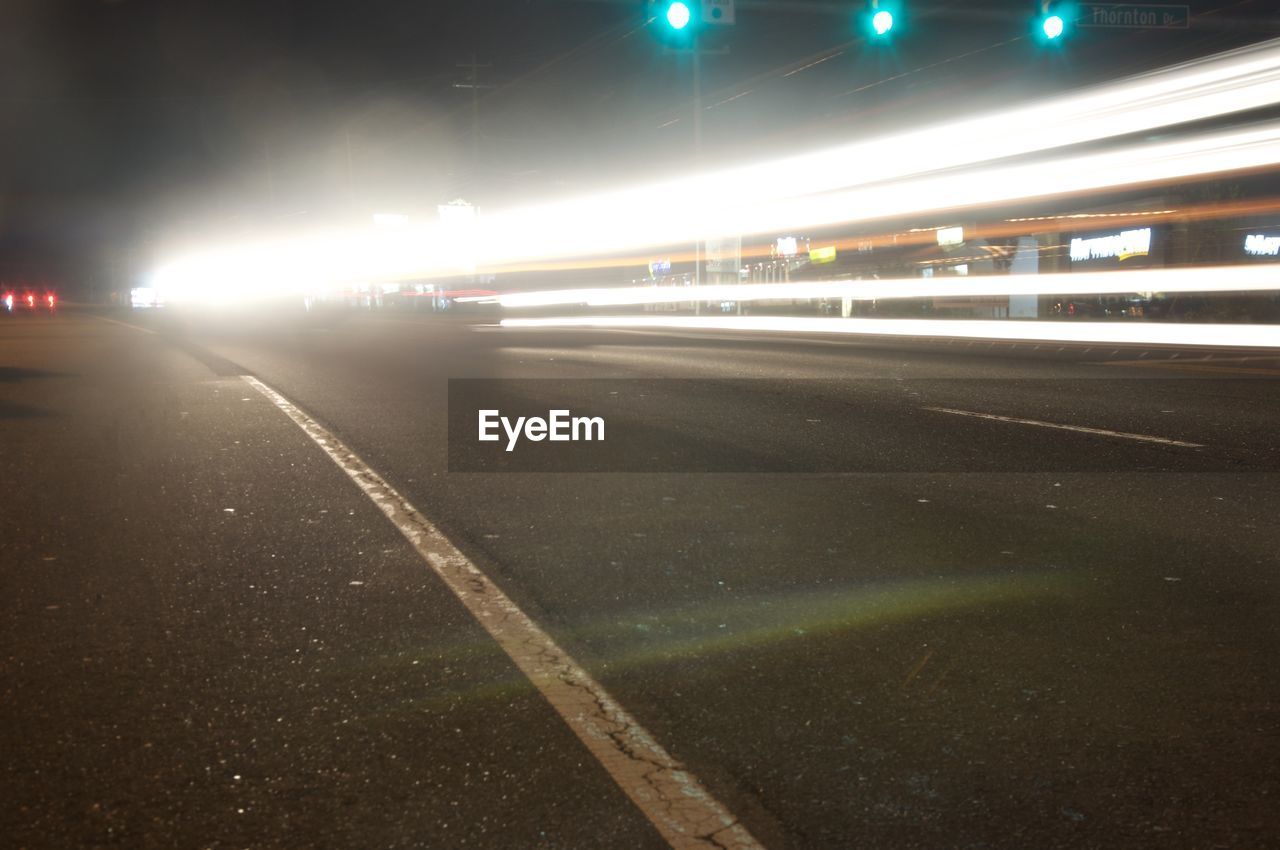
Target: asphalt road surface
(866, 596)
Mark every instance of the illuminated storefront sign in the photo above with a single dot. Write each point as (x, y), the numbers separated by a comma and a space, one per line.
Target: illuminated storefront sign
(786, 246)
(659, 267)
(950, 236)
(823, 255)
(1130, 243)
(1261, 245)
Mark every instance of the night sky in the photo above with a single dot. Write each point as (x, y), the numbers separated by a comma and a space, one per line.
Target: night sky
(132, 122)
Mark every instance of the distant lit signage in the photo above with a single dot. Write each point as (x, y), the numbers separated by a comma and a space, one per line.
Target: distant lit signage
(1130, 243)
(823, 255)
(457, 211)
(140, 297)
(786, 246)
(950, 236)
(1261, 245)
(460, 228)
(659, 267)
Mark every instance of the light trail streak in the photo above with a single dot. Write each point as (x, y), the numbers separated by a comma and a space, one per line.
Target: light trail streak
(1066, 174)
(696, 207)
(1251, 278)
(316, 263)
(1151, 333)
(1205, 211)
(878, 178)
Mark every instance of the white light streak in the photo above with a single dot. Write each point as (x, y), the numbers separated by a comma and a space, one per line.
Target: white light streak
(702, 206)
(945, 166)
(1150, 163)
(1114, 333)
(1244, 278)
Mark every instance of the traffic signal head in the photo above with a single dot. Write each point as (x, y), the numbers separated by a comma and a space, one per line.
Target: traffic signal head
(881, 18)
(678, 15)
(1054, 22)
(674, 16)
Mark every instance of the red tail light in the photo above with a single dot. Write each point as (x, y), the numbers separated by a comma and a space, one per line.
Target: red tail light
(51, 300)
(31, 301)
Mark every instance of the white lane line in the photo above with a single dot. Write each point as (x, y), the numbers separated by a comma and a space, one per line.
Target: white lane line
(1146, 438)
(673, 799)
(122, 324)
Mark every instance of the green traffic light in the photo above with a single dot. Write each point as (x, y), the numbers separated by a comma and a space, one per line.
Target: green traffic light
(882, 19)
(678, 15)
(1053, 26)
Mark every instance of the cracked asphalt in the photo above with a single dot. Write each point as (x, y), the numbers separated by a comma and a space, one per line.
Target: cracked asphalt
(918, 630)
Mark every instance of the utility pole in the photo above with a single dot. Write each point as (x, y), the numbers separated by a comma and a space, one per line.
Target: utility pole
(474, 84)
(697, 160)
(697, 100)
(271, 173)
(346, 135)
(683, 20)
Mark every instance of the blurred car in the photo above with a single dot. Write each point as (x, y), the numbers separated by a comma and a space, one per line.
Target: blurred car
(28, 301)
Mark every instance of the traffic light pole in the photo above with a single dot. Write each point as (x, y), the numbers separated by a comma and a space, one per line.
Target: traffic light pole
(697, 160)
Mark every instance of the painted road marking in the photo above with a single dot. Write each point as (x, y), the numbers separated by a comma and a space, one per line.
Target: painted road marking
(1197, 366)
(672, 798)
(1146, 438)
(123, 324)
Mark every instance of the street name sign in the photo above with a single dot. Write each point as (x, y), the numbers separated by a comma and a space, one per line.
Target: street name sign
(1135, 15)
